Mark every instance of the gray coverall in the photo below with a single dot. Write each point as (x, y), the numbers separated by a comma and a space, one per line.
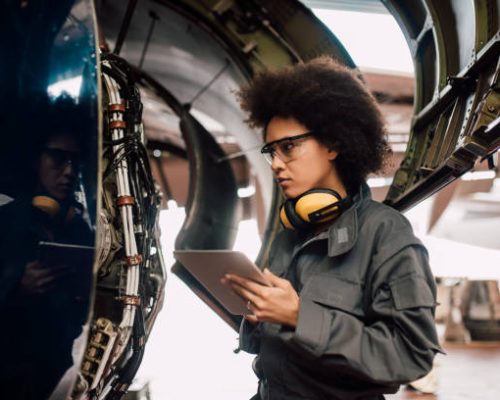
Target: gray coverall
(366, 319)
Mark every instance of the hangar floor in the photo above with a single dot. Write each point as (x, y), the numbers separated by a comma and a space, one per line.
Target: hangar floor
(467, 372)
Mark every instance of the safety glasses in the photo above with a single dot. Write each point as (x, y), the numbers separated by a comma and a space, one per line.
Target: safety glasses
(60, 158)
(286, 149)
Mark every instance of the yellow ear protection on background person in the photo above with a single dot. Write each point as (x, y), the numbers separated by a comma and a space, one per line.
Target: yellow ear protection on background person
(313, 207)
(52, 207)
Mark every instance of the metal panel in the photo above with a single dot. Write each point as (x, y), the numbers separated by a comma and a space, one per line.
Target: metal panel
(456, 94)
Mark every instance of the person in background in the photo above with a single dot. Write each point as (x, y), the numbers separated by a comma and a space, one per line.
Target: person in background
(43, 306)
(350, 310)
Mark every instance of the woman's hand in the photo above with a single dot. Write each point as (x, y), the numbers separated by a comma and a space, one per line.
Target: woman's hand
(278, 304)
(39, 279)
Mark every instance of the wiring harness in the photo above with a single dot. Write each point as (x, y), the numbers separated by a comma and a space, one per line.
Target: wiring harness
(130, 270)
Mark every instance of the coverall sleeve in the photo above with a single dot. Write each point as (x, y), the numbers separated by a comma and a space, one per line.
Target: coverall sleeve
(249, 334)
(249, 339)
(393, 341)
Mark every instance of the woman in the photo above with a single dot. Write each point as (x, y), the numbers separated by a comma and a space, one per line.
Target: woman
(350, 313)
(43, 304)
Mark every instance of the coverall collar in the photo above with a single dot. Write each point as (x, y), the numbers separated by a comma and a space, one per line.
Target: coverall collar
(343, 233)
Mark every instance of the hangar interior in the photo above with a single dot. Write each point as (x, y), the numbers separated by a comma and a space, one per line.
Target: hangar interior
(213, 190)
(458, 222)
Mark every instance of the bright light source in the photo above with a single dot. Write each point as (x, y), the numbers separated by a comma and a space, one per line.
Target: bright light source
(496, 185)
(478, 175)
(172, 205)
(248, 191)
(366, 50)
(248, 239)
(398, 147)
(70, 86)
(379, 182)
(156, 153)
(395, 138)
(226, 139)
(170, 222)
(207, 121)
(457, 259)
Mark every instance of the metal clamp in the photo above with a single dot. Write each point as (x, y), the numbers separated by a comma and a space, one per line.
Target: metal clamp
(133, 260)
(131, 300)
(117, 124)
(125, 201)
(117, 107)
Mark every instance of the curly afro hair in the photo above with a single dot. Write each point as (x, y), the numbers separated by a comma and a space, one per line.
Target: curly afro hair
(332, 101)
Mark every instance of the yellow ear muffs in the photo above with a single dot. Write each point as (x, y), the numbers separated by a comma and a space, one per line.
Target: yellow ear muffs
(52, 207)
(315, 206)
(289, 218)
(284, 219)
(47, 204)
(318, 207)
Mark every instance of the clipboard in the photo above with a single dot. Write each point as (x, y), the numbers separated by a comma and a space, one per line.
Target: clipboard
(209, 266)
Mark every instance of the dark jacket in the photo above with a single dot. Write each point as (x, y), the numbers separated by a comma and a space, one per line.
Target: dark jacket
(366, 319)
(38, 330)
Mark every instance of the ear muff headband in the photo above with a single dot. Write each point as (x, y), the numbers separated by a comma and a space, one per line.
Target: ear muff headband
(315, 206)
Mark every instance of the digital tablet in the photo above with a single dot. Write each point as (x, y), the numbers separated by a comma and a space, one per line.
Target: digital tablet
(76, 257)
(53, 254)
(210, 266)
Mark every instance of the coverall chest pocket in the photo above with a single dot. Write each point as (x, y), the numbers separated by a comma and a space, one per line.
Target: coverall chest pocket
(336, 293)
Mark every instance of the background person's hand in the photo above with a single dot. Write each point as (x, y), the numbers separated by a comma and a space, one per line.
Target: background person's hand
(38, 279)
(277, 304)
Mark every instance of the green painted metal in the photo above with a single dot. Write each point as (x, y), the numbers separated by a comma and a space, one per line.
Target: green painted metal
(262, 34)
(456, 94)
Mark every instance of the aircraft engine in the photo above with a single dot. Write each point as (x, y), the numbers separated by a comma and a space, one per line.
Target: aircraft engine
(130, 272)
(182, 60)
